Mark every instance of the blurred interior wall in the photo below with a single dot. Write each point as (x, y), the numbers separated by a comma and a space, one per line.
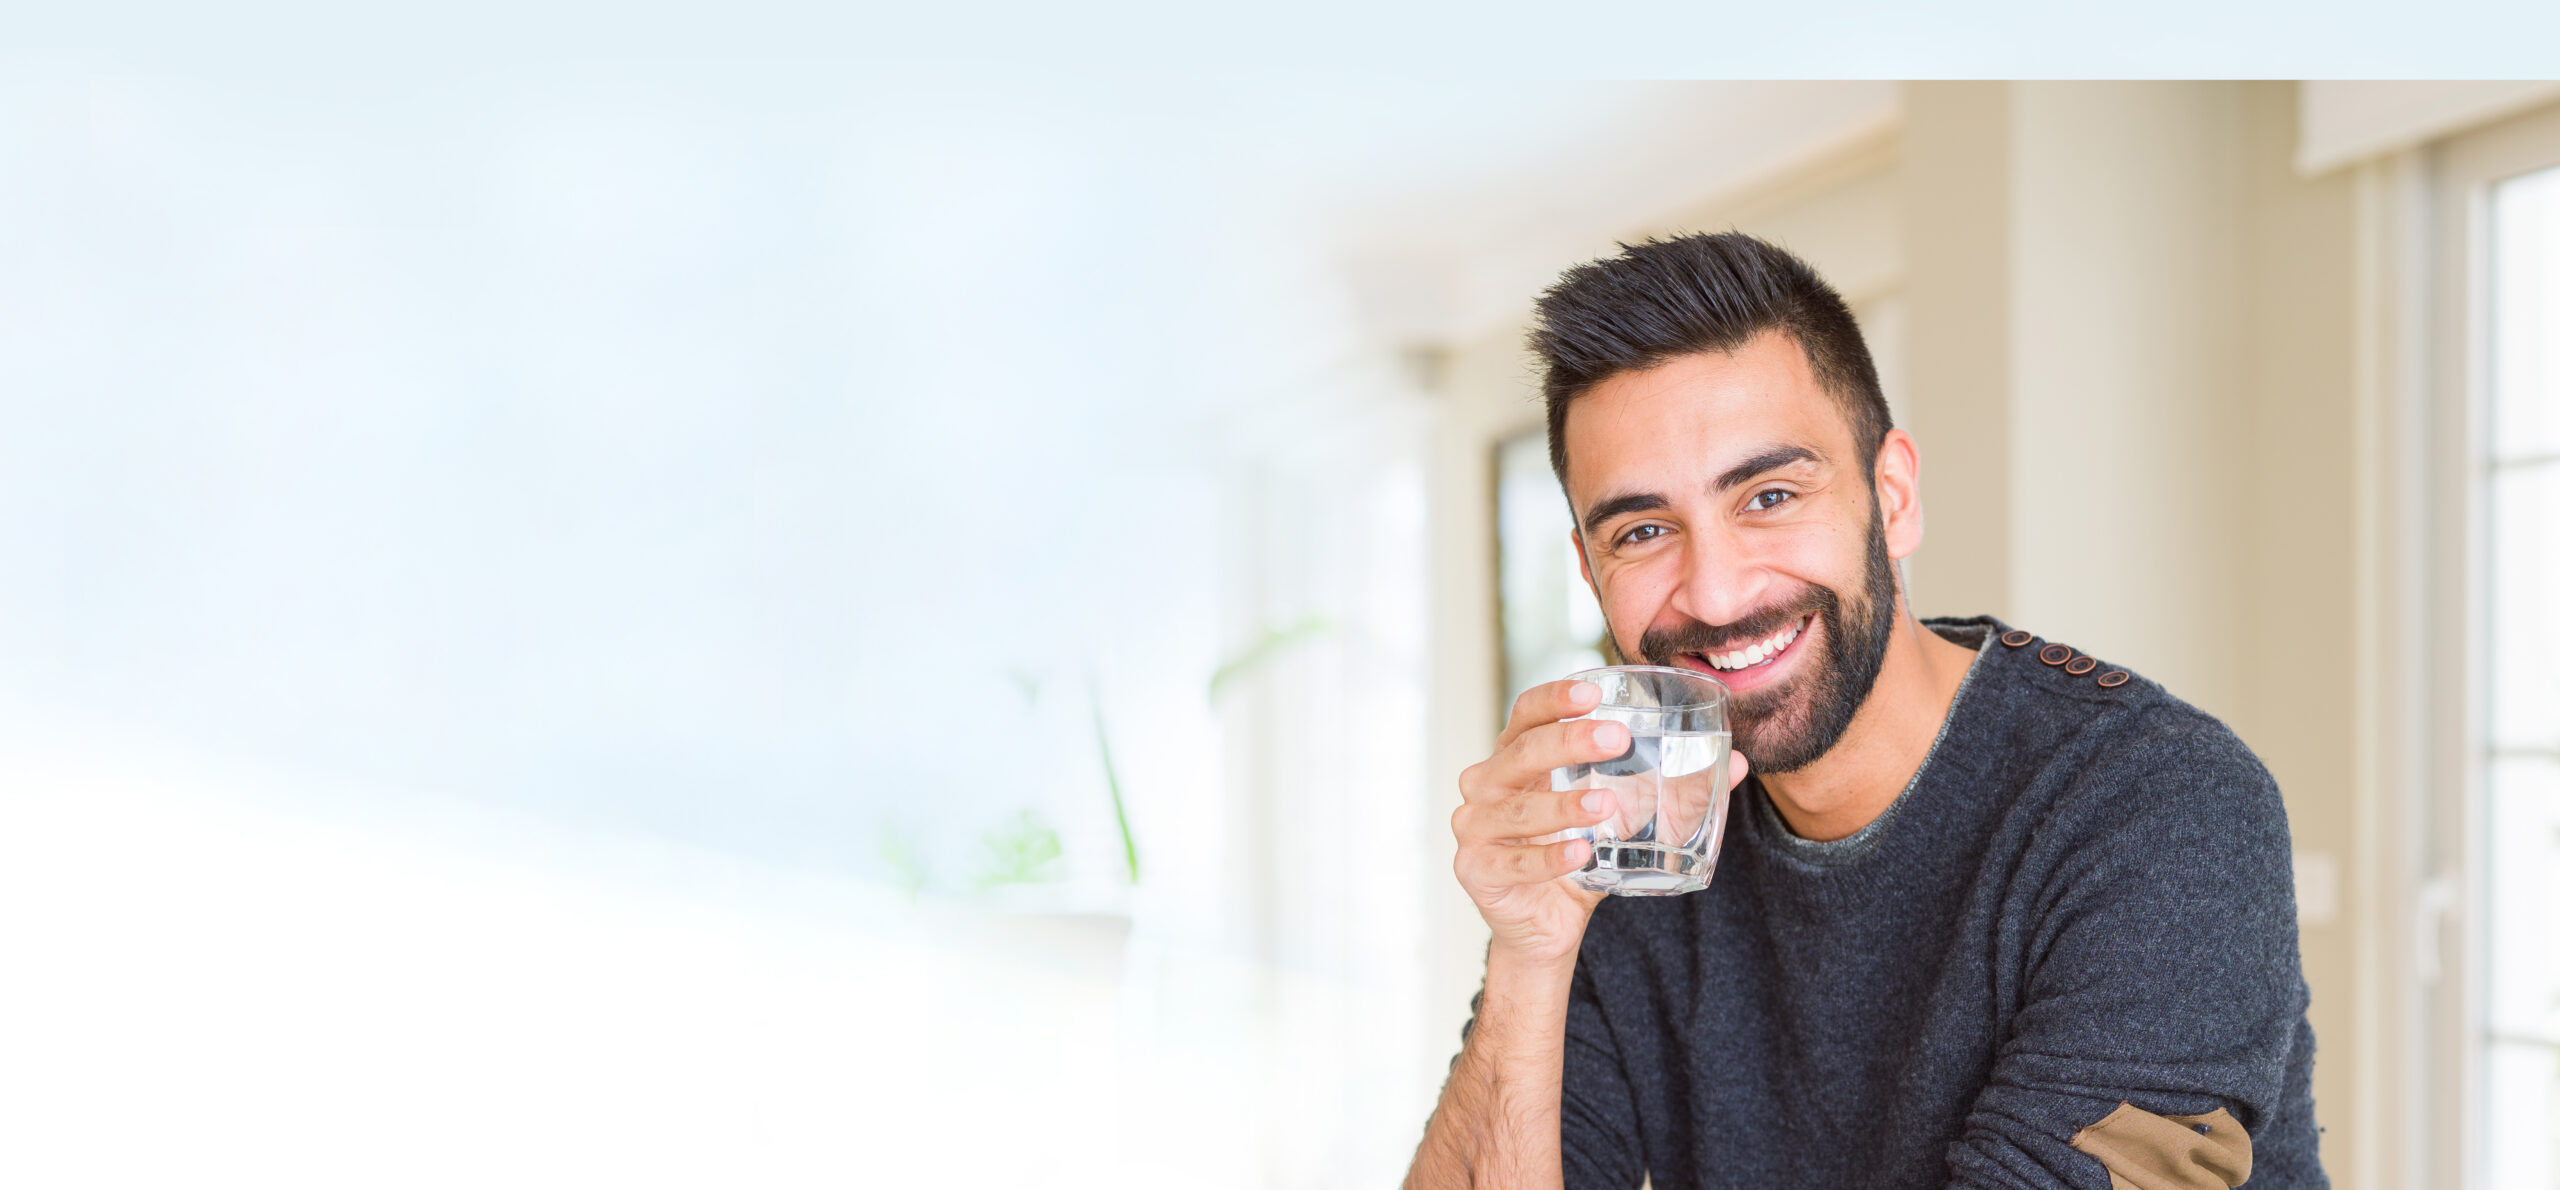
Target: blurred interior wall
(2123, 331)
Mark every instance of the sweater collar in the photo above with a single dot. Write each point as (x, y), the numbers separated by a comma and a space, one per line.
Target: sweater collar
(1975, 633)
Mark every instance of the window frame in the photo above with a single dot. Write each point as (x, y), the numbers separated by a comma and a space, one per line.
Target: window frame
(2451, 849)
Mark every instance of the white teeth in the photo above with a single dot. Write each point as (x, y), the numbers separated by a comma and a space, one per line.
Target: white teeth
(1754, 655)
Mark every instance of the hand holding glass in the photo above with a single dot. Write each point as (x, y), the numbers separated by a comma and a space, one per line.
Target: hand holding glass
(1669, 786)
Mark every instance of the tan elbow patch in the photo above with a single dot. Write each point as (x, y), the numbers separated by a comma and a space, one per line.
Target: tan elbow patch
(2146, 1152)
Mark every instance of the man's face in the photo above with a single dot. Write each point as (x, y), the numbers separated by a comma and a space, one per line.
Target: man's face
(1727, 525)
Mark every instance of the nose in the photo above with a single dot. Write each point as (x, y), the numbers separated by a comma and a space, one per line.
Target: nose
(1720, 582)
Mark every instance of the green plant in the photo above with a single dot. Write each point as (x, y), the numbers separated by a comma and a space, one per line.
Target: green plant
(1271, 644)
(1024, 850)
(1111, 780)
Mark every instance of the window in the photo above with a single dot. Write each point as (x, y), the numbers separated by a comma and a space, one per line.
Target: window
(2492, 1009)
(2519, 1014)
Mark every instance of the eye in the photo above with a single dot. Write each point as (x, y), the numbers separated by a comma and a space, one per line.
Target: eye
(1639, 535)
(1764, 501)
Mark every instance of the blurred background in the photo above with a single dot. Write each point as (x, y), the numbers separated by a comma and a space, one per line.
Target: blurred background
(783, 628)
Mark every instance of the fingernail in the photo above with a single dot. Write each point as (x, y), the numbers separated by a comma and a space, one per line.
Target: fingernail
(1610, 735)
(1593, 800)
(1586, 692)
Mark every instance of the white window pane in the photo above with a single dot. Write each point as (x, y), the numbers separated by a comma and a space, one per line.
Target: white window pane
(2524, 888)
(2521, 1049)
(2524, 607)
(2524, 1116)
(2525, 318)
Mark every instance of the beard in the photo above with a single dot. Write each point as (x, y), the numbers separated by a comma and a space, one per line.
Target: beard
(1788, 725)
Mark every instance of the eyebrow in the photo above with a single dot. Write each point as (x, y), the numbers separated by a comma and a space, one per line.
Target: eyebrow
(1618, 506)
(1735, 476)
(1763, 463)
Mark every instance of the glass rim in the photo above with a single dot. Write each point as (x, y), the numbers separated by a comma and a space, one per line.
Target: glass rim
(1723, 693)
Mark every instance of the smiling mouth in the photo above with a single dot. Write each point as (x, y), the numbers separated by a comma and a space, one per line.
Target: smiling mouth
(1762, 652)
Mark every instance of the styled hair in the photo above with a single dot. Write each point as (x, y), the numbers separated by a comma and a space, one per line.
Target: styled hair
(1700, 294)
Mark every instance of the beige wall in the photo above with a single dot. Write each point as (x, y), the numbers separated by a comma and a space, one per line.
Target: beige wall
(1956, 199)
(2121, 329)
(2125, 355)
(2296, 677)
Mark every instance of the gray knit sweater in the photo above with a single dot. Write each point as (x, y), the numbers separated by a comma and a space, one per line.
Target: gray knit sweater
(2084, 898)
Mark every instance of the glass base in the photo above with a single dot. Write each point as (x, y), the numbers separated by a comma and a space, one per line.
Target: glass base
(1643, 870)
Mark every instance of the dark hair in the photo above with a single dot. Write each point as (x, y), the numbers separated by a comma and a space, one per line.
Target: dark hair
(1693, 294)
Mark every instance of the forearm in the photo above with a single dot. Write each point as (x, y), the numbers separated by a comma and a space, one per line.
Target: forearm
(1499, 1122)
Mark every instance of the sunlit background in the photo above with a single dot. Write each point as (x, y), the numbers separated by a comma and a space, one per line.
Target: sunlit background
(773, 627)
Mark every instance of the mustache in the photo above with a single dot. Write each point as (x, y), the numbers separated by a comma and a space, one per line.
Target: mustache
(1659, 645)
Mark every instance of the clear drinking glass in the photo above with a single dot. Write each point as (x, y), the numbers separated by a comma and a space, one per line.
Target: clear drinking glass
(1669, 785)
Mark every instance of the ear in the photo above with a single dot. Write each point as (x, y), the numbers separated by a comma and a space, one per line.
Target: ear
(1898, 493)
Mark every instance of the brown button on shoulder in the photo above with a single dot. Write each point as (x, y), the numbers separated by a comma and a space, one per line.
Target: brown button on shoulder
(2080, 665)
(2114, 678)
(2054, 654)
(2016, 637)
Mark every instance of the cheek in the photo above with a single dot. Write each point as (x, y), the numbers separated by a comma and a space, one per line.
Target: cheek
(1821, 556)
(1829, 556)
(1634, 595)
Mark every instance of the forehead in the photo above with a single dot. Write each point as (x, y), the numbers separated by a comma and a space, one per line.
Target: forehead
(1680, 423)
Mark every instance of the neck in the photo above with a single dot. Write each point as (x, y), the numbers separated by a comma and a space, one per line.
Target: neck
(1886, 740)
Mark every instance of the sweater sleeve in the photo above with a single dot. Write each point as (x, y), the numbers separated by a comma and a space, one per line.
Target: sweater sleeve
(1602, 1150)
(2160, 969)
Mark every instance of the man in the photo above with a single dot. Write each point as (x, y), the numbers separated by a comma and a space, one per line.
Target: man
(1989, 912)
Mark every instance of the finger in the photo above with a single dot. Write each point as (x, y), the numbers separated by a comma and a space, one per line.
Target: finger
(1530, 814)
(1738, 768)
(1555, 745)
(1525, 762)
(1543, 704)
(1504, 866)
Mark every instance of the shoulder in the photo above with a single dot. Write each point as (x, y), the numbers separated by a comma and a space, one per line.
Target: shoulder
(2118, 757)
(2167, 785)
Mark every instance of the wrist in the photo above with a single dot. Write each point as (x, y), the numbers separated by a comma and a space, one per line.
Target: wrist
(1538, 955)
(1529, 975)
